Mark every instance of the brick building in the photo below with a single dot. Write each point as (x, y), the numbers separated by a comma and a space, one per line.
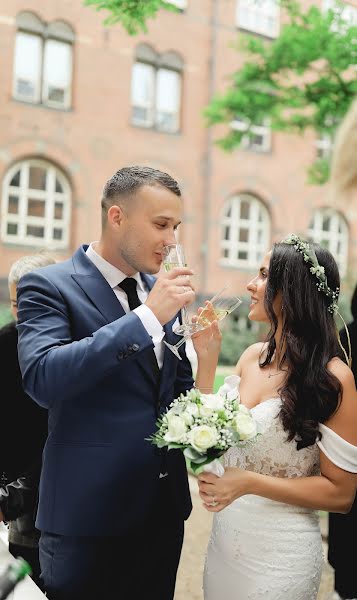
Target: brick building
(79, 100)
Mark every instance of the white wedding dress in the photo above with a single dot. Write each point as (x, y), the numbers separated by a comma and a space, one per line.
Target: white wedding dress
(260, 549)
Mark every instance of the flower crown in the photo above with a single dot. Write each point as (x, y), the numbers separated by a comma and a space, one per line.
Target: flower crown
(310, 257)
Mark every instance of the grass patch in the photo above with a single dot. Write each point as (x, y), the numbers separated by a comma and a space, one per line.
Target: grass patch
(219, 380)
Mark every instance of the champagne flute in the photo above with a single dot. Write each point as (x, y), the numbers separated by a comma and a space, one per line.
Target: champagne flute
(174, 256)
(216, 309)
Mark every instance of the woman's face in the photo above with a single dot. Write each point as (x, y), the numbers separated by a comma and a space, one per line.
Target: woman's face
(256, 287)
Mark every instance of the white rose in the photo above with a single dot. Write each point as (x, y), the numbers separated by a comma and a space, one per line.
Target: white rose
(189, 413)
(206, 411)
(176, 428)
(213, 401)
(203, 437)
(243, 409)
(244, 425)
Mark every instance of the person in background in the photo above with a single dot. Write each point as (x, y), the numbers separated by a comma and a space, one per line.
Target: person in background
(343, 188)
(23, 434)
(342, 532)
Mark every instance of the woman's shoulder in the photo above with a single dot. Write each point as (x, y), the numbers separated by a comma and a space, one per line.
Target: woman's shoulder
(250, 354)
(344, 419)
(344, 374)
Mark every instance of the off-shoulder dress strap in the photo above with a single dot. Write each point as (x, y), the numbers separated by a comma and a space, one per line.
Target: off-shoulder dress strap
(340, 452)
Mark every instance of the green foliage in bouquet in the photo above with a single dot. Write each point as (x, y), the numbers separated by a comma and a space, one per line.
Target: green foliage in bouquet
(205, 426)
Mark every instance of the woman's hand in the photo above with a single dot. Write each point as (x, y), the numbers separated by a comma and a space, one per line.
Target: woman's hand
(207, 343)
(219, 492)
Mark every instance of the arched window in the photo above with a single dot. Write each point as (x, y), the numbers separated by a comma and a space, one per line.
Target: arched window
(43, 61)
(156, 89)
(329, 228)
(36, 204)
(245, 231)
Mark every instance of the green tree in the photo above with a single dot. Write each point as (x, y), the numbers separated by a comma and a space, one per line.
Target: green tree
(305, 79)
(131, 14)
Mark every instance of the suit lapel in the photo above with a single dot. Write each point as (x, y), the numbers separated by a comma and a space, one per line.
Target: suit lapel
(100, 293)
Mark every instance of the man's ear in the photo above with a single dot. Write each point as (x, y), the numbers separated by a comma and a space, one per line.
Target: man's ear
(115, 215)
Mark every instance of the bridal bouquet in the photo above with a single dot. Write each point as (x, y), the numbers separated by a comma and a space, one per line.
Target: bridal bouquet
(204, 426)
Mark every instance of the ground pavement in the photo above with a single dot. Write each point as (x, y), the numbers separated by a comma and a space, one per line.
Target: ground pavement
(189, 579)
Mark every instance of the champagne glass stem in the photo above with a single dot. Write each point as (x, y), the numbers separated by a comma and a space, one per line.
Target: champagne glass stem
(174, 347)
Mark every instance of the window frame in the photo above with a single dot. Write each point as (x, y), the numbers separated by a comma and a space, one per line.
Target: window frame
(254, 247)
(334, 237)
(57, 31)
(263, 130)
(249, 8)
(146, 56)
(24, 193)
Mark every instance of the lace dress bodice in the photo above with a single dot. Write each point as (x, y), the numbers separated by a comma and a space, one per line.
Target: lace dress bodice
(270, 453)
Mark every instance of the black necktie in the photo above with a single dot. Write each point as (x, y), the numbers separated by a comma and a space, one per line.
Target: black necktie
(129, 287)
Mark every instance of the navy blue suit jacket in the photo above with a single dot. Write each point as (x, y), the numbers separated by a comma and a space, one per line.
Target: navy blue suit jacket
(88, 363)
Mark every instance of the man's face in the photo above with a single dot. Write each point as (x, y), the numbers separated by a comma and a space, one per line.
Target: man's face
(147, 224)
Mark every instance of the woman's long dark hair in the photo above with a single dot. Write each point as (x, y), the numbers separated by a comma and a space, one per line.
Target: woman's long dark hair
(310, 393)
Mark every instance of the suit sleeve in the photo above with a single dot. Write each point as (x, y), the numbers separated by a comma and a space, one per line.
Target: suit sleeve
(53, 365)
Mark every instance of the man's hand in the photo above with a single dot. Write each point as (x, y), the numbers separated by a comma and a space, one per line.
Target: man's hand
(171, 292)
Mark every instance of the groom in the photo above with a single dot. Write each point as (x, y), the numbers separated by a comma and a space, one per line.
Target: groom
(112, 507)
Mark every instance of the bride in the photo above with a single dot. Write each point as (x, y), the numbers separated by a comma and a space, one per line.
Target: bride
(265, 541)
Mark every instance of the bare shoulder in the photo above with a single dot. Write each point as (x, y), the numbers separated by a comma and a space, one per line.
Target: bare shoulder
(344, 420)
(250, 354)
(343, 373)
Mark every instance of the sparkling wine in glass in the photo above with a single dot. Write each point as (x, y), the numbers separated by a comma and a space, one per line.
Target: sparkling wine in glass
(216, 309)
(173, 256)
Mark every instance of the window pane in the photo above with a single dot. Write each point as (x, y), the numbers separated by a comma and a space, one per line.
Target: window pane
(57, 234)
(11, 229)
(168, 87)
(244, 209)
(37, 178)
(58, 210)
(243, 235)
(15, 181)
(326, 223)
(35, 231)
(13, 206)
(27, 67)
(35, 208)
(242, 255)
(142, 94)
(167, 99)
(226, 233)
(57, 72)
(59, 187)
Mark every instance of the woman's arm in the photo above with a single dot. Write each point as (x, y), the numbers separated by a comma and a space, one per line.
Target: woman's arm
(334, 490)
(207, 344)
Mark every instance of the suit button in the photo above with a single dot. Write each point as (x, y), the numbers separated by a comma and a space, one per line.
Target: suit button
(135, 347)
(120, 355)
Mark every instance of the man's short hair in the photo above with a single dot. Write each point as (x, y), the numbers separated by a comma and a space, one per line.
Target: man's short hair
(125, 182)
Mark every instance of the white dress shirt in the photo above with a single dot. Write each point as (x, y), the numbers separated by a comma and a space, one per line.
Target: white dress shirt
(114, 276)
